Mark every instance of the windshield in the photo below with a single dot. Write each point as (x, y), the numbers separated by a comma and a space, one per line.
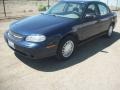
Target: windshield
(66, 9)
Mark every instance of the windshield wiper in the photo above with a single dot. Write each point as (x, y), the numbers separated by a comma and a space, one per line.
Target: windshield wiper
(42, 13)
(48, 14)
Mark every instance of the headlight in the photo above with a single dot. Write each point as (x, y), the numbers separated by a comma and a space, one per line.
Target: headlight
(36, 38)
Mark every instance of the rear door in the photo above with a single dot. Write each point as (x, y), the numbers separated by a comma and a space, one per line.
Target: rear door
(104, 17)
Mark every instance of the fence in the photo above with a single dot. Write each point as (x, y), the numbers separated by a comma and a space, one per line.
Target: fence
(19, 8)
(113, 4)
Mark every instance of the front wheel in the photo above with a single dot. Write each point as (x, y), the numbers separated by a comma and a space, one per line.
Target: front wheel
(66, 48)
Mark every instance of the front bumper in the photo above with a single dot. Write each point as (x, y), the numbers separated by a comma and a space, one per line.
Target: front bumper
(32, 50)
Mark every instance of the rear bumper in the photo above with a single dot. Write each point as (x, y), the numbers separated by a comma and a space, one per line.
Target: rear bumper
(32, 50)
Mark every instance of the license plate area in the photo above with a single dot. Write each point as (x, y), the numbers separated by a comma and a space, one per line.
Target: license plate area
(11, 44)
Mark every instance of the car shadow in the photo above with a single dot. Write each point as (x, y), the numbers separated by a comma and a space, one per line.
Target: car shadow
(85, 51)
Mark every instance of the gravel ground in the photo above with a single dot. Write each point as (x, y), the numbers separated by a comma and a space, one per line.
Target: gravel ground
(96, 66)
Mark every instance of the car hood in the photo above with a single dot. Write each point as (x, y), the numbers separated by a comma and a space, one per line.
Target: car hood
(38, 24)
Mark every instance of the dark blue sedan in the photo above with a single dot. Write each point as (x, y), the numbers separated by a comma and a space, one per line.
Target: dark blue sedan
(59, 30)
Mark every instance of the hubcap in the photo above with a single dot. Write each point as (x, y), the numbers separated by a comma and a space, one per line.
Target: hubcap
(110, 31)
(68, 48)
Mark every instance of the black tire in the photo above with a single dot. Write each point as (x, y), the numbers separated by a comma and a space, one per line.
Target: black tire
(60, 55)
(110, 31)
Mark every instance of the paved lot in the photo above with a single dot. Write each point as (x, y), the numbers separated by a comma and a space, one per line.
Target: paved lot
(96, 66)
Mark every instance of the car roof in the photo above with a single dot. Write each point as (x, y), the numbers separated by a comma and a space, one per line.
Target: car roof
(81, 1)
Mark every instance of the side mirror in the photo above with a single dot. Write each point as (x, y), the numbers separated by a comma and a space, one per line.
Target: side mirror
(90, 16)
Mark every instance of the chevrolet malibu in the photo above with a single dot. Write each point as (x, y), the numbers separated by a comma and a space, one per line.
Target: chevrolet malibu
(59, 30)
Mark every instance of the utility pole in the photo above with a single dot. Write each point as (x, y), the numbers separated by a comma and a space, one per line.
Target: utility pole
(4, 8)
(107, 2)
(116, 4)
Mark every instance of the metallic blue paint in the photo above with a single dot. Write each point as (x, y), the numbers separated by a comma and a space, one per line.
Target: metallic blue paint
(53, 27)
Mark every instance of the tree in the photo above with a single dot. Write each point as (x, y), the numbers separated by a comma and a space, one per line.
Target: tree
(4, 7)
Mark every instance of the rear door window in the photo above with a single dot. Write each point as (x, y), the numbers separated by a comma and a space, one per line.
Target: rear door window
(103, 9)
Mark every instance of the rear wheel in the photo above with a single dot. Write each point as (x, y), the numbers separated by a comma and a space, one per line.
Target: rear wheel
(110, 31)
(66, 48)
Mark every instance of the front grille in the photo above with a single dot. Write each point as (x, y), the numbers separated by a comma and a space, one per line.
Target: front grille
(15, 36)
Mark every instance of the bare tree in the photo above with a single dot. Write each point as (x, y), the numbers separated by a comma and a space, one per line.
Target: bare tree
(4, 7)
